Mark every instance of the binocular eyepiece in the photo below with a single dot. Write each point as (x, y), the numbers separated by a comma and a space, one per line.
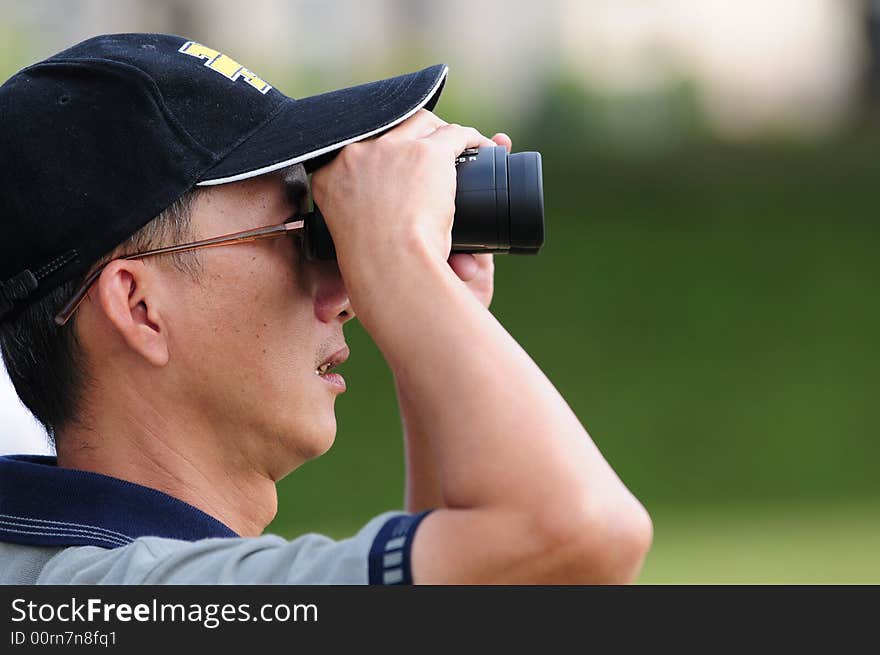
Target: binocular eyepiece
(499, 206)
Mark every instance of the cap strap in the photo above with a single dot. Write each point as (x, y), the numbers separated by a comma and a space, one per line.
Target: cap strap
(23, 284)
(61, 260)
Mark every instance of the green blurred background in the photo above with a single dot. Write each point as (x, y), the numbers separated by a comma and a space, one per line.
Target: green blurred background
(706, 297)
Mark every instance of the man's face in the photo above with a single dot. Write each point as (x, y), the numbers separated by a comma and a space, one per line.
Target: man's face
(246, 340)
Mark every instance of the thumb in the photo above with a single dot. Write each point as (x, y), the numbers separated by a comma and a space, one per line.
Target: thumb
(465, 266)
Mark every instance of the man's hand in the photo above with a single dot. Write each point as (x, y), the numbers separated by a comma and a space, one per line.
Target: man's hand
(389, 204)
(478, 271)
(387, 194)
(416, 197)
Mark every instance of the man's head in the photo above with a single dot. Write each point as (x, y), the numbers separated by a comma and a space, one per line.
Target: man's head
(128, 142)
(233, 335)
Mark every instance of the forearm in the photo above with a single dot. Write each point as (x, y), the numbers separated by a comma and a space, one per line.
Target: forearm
(422, 482)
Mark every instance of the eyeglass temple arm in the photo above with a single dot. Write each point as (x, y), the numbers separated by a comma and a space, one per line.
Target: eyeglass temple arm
(229, 239)
(237, 237)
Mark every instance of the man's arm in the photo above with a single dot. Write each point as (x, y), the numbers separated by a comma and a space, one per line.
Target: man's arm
(527, 496)
(422, 481)
(422, 490)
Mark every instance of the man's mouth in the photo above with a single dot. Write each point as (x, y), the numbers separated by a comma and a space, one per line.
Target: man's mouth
(334, 360)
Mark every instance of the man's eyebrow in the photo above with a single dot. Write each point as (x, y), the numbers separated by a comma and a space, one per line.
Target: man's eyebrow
(296, 187)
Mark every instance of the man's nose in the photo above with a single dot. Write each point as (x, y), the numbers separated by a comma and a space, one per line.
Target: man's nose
(331, 297)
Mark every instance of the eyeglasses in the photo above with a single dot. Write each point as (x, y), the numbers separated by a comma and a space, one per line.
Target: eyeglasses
(246, 236)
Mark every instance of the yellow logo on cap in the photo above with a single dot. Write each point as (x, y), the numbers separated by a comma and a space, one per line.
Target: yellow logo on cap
(224, 65)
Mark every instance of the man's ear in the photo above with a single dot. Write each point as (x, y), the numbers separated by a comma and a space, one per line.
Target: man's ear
(129, 299)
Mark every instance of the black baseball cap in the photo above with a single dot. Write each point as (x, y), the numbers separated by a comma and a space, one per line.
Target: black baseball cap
(98, 139)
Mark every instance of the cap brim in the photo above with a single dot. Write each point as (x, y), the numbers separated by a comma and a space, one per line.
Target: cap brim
(309, 128)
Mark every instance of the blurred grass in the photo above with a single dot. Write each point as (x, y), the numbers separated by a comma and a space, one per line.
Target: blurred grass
(790, 543)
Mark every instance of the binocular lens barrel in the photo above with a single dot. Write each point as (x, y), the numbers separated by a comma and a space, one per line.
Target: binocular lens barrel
(499, 206)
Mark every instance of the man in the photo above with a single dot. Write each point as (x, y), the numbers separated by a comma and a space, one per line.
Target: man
(180, 386)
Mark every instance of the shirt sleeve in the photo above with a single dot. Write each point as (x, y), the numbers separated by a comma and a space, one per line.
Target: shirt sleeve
(378, 554)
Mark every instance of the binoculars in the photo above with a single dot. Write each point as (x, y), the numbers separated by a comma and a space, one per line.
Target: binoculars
(499, 206)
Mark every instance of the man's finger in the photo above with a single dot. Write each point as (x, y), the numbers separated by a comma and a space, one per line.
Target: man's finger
(417, 126)
(484, 259)
(458, 138)
(501, 139)
(465, 266)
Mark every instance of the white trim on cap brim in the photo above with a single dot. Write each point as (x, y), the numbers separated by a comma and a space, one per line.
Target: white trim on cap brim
(334, 146)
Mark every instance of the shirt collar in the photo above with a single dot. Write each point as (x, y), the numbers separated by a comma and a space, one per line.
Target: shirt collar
(43, 504)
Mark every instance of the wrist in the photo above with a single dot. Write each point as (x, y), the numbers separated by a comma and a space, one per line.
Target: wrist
(404, 308)
(391, 268)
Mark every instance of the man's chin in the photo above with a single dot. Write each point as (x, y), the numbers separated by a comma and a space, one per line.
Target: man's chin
(321, 444)
(304, 446)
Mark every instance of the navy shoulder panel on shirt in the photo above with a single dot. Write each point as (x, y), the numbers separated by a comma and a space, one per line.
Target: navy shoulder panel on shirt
(42, 504)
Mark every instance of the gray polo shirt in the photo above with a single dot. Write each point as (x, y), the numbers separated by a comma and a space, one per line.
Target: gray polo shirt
(64, 526)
